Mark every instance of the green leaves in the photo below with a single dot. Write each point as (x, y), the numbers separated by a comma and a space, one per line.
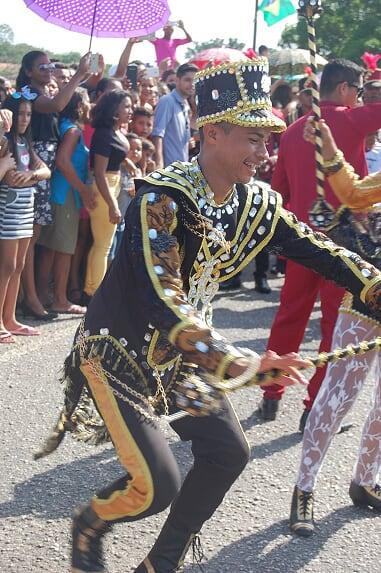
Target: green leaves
(346, 29)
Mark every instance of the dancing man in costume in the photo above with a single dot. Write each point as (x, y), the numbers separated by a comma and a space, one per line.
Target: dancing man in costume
(191, 227)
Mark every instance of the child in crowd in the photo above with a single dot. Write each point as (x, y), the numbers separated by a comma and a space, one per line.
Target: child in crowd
(18, 177)
(135, 152)
(147, 163)
(142, 122)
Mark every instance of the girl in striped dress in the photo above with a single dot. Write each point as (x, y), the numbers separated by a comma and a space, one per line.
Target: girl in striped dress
(16, 213)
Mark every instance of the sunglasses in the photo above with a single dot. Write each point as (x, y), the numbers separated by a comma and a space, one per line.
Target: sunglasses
(47, 67)
(25, 93)
(360, 89)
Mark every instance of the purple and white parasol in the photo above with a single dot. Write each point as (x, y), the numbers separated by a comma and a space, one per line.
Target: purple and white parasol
(104, 18)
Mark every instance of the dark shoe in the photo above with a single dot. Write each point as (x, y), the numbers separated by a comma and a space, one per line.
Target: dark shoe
(268, 408)
(303, 421)
(262, 286)
(302, 513)
(231, 284)
(168, 553)
(27, 311)
(87, 533)
(365, 495)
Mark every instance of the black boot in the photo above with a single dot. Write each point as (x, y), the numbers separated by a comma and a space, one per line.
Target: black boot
(302, 513)
(168, 553)
(268, 408)
(261, 285)
(87, 532)
(365, 495)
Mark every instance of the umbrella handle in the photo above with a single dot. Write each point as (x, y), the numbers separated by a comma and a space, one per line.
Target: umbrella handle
(93, 24)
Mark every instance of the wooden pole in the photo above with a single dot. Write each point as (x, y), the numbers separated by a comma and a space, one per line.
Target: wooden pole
(255, 25)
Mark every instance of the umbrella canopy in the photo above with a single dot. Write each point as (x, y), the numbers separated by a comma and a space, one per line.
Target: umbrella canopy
(291, 62)
(215, 56)
(104, 18)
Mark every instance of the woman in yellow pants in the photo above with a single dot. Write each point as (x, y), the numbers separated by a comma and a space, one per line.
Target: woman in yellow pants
(108, 150)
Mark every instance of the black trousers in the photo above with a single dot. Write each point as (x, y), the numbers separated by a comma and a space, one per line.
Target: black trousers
(152, 479)
(262, 262)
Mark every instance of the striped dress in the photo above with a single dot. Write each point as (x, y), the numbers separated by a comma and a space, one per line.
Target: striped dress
(17, 204)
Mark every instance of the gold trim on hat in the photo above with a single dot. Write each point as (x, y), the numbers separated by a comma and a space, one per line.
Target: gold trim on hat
(231, 67)
(276, 124)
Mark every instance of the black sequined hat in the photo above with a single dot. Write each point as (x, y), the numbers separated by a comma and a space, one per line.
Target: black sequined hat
(238, 93)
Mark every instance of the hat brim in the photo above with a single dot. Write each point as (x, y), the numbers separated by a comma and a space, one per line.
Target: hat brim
(262, 118)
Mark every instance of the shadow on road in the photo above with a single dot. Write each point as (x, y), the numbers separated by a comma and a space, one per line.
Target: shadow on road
(290, 554)
(54, 494)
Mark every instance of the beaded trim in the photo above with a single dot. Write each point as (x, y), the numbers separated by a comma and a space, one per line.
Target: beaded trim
(335, 164)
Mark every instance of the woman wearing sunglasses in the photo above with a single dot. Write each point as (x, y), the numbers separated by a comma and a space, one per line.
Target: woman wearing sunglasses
(35, 74)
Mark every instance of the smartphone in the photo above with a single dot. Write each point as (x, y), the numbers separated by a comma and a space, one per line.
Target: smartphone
(132, 75)
(94, 63)
(173, 23)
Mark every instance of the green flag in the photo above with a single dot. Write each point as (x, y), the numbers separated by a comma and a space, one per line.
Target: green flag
(275, 10)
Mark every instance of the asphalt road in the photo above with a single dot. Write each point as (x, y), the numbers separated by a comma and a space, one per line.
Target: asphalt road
(249, 532)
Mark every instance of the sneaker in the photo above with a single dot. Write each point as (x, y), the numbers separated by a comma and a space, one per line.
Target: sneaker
(302, 513)
(365, 495)
(87, 535)
(303, 421)
(268, 408)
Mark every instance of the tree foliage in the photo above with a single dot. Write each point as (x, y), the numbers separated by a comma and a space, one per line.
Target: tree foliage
(216, 43)
(11, 53)
(6, 33)
(345, 29)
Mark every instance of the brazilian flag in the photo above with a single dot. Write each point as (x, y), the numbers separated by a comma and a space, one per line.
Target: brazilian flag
(275, 10)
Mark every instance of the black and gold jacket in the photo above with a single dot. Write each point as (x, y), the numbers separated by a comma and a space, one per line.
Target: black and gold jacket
(154, 304)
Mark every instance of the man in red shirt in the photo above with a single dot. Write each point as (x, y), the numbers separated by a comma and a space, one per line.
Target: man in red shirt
(294, 178)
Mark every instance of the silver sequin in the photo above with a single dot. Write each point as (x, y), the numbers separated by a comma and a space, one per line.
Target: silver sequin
(152, 233)
(158, 269)
(201, 346)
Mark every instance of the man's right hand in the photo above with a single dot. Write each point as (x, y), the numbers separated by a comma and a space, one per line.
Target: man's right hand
(289, 364)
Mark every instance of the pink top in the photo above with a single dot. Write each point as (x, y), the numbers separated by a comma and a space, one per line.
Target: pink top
(167, 49)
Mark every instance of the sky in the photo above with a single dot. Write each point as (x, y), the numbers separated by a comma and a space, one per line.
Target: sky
(203, 19)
